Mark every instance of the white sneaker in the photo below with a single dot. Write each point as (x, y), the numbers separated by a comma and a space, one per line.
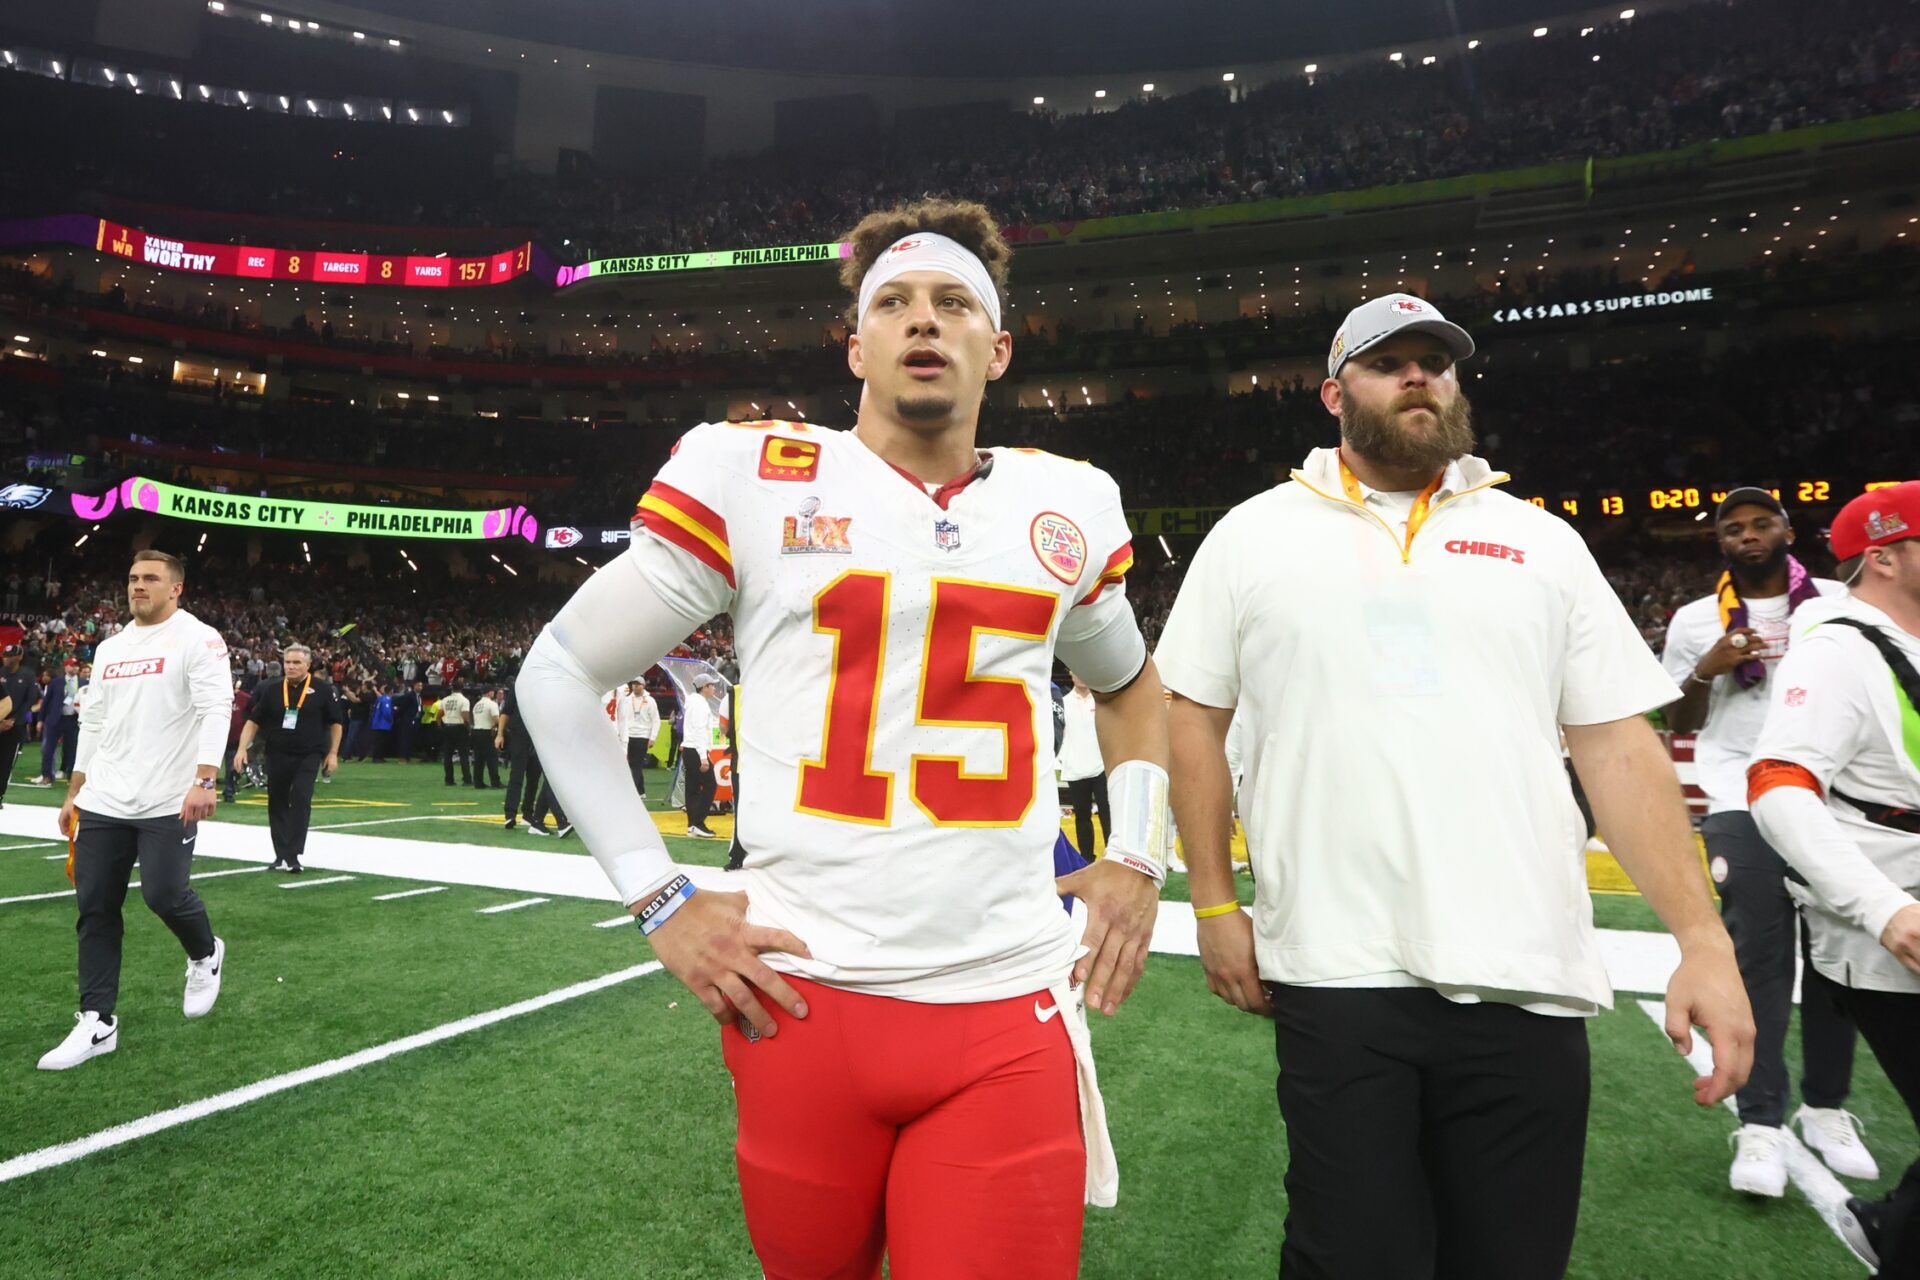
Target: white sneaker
(91, 1036)
(1760, 1163)
(1830, 1131)
(701, 833)
(203, 982)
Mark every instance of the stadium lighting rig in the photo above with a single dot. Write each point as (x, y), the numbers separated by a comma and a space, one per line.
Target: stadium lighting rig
(278, 21)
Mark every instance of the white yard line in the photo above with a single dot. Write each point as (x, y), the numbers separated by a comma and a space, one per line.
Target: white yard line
(39, 897)
(614, 923)
(308, 884)
(131, 884)
(383, 822)
(67, 1152)
(512, 906)
(1825, 1194)
(31, 844)
(409, 893)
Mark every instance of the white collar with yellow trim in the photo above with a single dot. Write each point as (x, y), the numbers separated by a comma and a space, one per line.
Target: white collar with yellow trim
(1321, 471)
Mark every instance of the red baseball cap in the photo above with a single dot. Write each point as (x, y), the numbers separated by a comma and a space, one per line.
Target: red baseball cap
(1876, 518)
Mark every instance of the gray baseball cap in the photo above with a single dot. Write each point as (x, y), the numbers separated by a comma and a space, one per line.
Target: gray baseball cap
(1380, 318)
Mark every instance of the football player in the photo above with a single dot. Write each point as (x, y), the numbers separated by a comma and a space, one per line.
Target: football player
(900, 993)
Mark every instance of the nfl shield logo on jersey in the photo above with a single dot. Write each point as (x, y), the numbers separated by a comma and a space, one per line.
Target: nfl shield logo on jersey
(946, 535)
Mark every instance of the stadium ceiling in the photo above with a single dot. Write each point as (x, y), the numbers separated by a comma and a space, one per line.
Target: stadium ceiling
(985, 38)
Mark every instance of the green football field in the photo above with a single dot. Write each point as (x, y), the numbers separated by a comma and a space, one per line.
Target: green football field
(589, 1133)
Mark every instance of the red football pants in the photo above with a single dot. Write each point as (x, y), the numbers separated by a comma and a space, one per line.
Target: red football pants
(944, 1136)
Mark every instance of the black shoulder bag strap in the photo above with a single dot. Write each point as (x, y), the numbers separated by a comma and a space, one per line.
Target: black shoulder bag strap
(1909, 681)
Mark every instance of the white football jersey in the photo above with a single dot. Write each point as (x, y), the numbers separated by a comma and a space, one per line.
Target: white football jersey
(897, 808)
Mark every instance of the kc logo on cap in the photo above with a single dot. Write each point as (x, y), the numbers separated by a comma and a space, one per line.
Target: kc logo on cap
(1377, 319)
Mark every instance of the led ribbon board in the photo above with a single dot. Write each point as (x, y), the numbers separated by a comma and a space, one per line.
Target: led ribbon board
(645, 264)
(317, 265)
(201, 506)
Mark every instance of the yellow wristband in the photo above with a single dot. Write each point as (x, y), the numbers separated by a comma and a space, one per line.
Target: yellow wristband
(1208, 913)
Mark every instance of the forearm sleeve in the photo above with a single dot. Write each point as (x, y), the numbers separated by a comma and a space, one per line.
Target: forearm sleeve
(612, 630)
(1798, 823)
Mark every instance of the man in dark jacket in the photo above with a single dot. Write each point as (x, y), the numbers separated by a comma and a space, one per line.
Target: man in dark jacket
(406, 719)
(18, 693)
(49, 716)
(301, 719)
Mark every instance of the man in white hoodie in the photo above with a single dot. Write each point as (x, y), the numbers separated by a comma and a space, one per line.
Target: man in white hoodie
(153, 733)
(638, 717)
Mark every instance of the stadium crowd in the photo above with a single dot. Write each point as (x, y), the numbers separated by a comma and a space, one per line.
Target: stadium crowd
(1799, 408)
(371, 633)
(1668, 79)
(1662, 80)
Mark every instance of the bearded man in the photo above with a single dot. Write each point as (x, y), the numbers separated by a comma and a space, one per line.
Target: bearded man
(1722, 649)
(1404, 644)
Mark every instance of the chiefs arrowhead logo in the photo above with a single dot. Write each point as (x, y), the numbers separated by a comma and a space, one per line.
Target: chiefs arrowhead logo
(1409, 306)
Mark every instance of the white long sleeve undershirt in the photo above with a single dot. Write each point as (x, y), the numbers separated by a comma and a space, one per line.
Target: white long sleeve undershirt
(1802, 828)
(612, 631)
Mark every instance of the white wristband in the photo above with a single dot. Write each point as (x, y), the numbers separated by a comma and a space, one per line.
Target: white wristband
(1137, 799)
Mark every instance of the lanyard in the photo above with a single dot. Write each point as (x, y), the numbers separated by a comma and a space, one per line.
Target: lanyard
(305, 689)
(1421, 507)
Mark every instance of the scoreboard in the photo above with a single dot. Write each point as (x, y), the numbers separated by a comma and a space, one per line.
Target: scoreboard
(319, 266)
(1681, 499)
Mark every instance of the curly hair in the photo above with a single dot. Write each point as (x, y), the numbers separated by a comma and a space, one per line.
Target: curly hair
(965, 222)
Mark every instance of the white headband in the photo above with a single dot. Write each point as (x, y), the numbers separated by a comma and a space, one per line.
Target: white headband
(930, 251)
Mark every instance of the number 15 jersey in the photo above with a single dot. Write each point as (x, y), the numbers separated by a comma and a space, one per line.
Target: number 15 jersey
(898, 810)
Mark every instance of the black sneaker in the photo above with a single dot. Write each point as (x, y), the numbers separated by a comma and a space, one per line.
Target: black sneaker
(507, 825)
(278, 864)
(1861, 1224)
(537, 829)
(294, 869)
(565, 831)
